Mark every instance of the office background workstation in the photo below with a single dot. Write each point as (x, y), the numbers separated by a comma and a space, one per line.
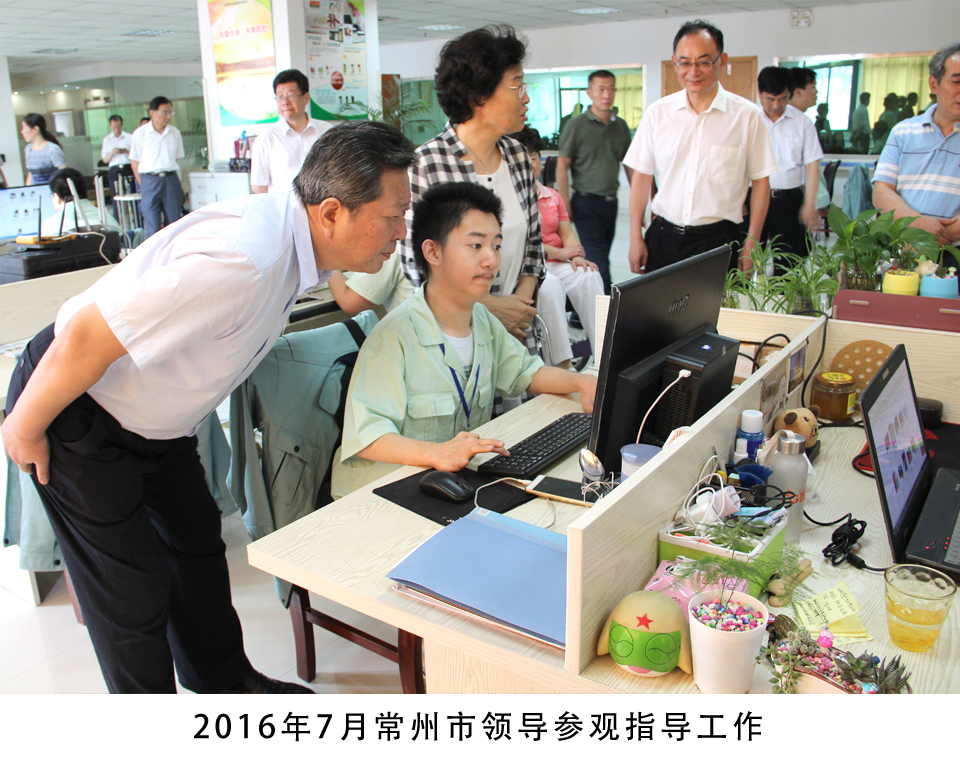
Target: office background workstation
(612, 547)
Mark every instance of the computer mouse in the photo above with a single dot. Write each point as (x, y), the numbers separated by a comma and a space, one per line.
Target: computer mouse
(446, 486)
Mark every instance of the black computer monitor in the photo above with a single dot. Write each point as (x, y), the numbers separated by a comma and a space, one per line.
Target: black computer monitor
(650, 315)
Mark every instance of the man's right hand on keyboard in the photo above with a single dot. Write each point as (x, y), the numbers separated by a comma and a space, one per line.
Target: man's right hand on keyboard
(456, 453)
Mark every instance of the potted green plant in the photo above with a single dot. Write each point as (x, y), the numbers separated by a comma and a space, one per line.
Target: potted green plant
(802, 664)
(810, 283)
(901, 279)
(865, 242)
(727, 626)
(754, 290)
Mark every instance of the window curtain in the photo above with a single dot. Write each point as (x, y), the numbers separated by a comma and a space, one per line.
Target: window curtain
(629, 101)
(900, 75)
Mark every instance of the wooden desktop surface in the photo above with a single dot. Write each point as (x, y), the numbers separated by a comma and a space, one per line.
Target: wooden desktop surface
(344, 551)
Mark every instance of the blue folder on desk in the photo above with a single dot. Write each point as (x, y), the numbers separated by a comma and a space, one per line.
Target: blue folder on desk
(507, 571)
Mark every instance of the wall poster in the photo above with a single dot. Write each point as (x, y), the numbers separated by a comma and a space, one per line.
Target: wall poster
(337, 59)
(246, 65)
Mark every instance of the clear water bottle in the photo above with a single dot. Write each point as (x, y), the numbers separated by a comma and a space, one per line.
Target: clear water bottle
(789, 467)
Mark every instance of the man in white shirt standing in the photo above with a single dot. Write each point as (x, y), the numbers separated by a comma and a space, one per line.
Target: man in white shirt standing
(860, 125)
(103, 406)
(278, 152)
(154, 150)
(705, 146)
(805, 93)
(115, 152)
(793, 188)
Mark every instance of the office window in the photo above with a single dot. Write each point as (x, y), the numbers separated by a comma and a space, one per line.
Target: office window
(897, 84)
(553, 97)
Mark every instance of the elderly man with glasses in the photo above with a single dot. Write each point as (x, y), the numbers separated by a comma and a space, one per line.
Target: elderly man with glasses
(279, 151)
(704, 146)
(155, 148)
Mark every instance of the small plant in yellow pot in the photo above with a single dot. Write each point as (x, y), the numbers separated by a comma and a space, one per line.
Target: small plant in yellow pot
(907, 246)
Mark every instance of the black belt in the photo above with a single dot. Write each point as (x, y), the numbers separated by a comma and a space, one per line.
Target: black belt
(714, 228)
(604, 197)
(160, 174)
(785, 192)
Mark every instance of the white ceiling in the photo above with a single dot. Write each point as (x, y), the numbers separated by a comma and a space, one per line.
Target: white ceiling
(100, 31)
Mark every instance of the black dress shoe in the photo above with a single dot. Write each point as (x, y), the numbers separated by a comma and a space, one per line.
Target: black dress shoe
(258, 684)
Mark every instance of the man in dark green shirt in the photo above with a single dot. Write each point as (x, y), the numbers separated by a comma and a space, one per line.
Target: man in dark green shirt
(592, 146)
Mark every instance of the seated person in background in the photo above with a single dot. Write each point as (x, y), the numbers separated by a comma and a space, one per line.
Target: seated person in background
(427, 374)
(66, 209)
(360, 292)
(565, 255)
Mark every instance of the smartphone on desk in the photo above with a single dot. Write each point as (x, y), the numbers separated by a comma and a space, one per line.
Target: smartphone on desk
(562, 490)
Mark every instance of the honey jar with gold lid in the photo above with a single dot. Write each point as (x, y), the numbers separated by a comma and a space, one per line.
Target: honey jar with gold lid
(836, 395)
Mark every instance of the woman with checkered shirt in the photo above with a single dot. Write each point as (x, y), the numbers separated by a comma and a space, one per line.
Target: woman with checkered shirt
(480, 87)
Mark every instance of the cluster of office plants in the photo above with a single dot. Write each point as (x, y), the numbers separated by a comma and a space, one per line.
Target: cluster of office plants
(799, 663)
(870, 251)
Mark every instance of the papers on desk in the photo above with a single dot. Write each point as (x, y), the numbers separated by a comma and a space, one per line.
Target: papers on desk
(836, 610)
(498, 568)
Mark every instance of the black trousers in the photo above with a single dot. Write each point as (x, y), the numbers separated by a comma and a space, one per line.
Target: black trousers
(113, 176)
(140, 535)
(596, 220)
(783, 222)
(666, 246)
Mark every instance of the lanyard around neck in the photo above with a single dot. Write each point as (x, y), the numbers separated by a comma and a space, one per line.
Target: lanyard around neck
(456, 381)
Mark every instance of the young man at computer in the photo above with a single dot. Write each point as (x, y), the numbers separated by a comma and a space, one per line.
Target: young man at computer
(426, 376)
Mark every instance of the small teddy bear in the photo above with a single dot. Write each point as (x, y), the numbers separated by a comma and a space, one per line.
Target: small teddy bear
(803, 421)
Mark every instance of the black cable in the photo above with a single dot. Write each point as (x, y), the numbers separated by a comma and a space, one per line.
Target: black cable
(840, 548)
(753, 362)
(823, 348)
(764, 342)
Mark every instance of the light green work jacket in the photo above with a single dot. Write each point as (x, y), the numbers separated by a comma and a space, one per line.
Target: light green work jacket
(404, 384)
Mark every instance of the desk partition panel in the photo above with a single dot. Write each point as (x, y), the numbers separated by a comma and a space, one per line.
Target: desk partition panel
(612, 549)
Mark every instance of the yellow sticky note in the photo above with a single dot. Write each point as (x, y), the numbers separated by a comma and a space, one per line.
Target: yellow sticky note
(825, 608)
(848, 627)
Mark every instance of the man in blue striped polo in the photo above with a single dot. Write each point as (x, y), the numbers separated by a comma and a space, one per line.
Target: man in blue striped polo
(919, 169)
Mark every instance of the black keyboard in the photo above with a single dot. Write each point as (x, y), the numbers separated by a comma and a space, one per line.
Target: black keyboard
(529, 457)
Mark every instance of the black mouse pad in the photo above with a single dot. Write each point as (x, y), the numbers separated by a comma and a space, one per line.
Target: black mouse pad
(406, 492)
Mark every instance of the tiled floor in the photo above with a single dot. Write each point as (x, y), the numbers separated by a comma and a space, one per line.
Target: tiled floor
(44, 650)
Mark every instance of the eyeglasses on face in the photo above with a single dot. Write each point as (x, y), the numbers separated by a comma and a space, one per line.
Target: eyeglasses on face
(520, 89)
(703, 65)
(287, 97)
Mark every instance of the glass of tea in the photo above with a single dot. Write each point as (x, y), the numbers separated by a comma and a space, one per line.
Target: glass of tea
(918, 601)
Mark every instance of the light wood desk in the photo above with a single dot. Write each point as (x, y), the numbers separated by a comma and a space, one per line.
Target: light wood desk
(344, 551)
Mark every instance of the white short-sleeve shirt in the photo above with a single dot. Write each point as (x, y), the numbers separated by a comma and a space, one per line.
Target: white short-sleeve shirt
(156, 152)
(279, 152)
(387, 288)
(703, 163)
(196, 307)
(111, 142)
(795, 145)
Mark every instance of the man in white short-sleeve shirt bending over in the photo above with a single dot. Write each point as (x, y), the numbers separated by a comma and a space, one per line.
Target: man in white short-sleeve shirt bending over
(103, 406)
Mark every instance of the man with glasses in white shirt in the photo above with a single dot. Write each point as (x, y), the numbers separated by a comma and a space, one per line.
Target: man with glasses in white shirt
(705, 146)
(279, 151)
(154, 150)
